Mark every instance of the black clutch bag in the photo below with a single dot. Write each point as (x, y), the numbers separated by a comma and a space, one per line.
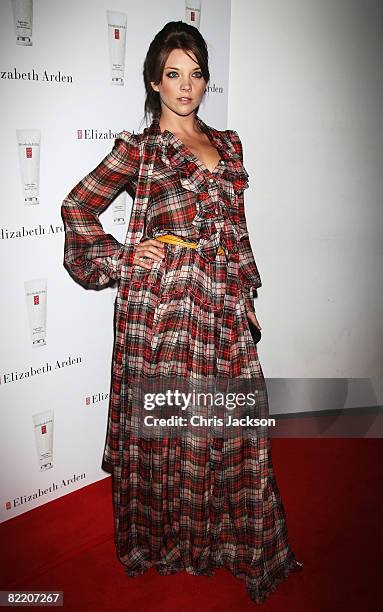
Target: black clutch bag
(255, 332)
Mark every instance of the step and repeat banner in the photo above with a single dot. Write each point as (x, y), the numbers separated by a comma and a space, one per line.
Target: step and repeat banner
(71, 80)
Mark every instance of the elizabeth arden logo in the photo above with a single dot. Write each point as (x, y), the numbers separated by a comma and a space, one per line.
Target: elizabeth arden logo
(36, 300)
(19, 375)
(95, 398)
(28, 151)
(47, 492)
(28, 232)
(117, 34)
(95, 134)
(33, 75)
(213, 88)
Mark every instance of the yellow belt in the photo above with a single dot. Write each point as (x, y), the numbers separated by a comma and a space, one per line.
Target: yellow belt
(172, 239)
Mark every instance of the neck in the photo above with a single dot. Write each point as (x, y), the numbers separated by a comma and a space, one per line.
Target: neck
(178, 124)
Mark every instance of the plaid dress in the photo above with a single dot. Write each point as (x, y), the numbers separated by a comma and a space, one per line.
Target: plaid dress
(181, 503)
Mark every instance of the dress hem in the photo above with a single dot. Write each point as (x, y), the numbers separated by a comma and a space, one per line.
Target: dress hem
(257, 593)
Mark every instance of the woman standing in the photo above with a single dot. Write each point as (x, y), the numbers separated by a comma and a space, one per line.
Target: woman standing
(186, 276)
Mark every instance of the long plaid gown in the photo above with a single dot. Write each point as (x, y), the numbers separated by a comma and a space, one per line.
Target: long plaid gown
(181, 503)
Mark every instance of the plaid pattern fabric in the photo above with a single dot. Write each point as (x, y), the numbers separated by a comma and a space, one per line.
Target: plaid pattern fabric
(181, 503)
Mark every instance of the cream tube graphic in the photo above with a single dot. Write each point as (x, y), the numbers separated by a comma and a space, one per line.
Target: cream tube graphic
(193, 12)
(43, 423)
(22, 17)
(29, 157)
(117, 37)
(36, 297)
(119, 210)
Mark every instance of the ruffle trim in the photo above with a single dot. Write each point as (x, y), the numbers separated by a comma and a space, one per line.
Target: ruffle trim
(192, 177)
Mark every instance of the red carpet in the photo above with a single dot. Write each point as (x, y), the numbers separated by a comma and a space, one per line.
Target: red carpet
(332, 493)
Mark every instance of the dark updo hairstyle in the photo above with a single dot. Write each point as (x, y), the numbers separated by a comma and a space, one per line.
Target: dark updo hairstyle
(174, 35)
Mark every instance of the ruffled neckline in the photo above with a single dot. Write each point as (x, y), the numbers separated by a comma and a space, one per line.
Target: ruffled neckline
(176, 155)
(195, 176)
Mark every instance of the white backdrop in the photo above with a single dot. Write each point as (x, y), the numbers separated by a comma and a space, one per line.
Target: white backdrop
(309, 75)
(54, 395)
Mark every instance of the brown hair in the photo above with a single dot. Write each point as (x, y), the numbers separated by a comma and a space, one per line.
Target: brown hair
(174, 35)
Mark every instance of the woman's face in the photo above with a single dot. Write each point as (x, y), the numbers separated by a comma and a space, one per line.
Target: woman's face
(182, 85)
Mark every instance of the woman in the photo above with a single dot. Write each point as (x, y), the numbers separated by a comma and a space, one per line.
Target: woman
(186, 276)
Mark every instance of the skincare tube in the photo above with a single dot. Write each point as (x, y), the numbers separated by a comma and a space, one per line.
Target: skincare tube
(117, 37)
(119, 209)
(43, 424)
(29, 157)
(22, 17)
(193, 12)
(36, 297)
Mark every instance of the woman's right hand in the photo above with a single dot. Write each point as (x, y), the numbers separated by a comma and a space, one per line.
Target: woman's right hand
(151, 249)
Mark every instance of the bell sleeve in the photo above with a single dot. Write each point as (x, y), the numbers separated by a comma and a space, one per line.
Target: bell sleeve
(249, 276)
(92, 256)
